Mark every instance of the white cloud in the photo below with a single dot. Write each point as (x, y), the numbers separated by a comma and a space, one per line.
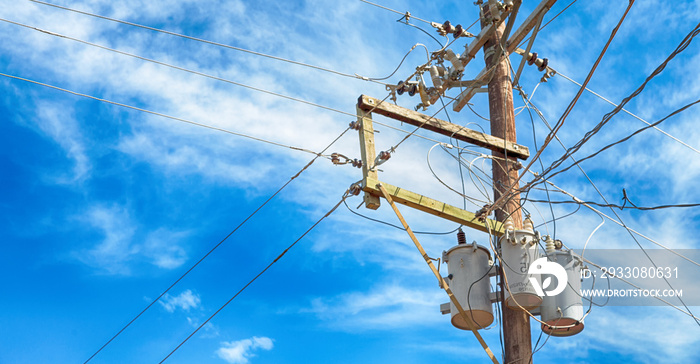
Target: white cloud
(58, 123)
(386, 307)
(116, 249)
(240, 352)
(163, 248)
(122, 246)
(184, 301)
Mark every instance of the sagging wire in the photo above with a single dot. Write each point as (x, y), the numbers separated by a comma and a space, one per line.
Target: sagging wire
(200, 40)
(565, 114)
(400, 63)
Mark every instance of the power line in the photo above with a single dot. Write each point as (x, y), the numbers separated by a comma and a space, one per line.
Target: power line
(562, 119)
(629, 113)
(208, 42)
(621, 224)
(407, 14)
(345, 195)
(677, 111)
(396, 226)
(164, 115)
(216, 246)
(607, 117)
(180, 68)
(578, 202)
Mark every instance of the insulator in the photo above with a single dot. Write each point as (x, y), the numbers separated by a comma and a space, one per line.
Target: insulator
(355, 125)
(412, 90)
(532, 59)
(543, 67)
(508, 225)
(452, 57)
(549, 245)
(400, 88)
(435, 76)
(528, 225)
(461, 237)
(447, 27)
(458, 31)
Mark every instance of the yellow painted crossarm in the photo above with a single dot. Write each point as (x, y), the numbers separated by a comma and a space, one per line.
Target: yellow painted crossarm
(433, 207)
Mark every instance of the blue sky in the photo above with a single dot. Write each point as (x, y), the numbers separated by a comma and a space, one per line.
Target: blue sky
(104, 207)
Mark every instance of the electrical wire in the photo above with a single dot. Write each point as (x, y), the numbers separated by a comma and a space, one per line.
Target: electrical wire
(506, 197)
(181, 68)
(215, 247)
(397, 12)
(163, 115)
(578, 207)
(677, 111)
(629, 113)
(688, 313)
(345, 195)
(205, 41)
(461, 194)
(400, 63)
(623, 225)
(607, 117)
(649, 208)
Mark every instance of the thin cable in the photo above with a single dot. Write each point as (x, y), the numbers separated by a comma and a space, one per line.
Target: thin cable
(641, 208)
(345, 195)
(397, 12)
(462, 194)
(179, 68)
(216, 246)
(206, 41)
(400, 63)
(425, 31)
(623, 225)
(501, 200)
(607, 117)
(164, 115)
(677, 111)
(631, 114)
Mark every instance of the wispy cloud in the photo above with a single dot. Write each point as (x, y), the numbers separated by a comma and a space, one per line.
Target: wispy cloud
(184, 301)
(123, 246)
(385, 307)
(240, 352)
(57, 122)
(162, 247)
(113, 254)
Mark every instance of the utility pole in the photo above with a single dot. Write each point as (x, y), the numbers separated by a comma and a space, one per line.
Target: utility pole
(516, 324)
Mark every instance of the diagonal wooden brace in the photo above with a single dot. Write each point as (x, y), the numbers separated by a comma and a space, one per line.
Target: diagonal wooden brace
(443, 283)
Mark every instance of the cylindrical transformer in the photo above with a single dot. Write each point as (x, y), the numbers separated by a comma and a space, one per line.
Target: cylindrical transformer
(518, 250)
(468, 266)
(563, 312)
